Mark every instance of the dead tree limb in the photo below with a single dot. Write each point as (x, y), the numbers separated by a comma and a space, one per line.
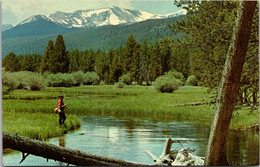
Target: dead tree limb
(176, 157)
(164, 158)
(24, 157)
(167, 147)
(62, 154)
(227, 96)
(192, 104)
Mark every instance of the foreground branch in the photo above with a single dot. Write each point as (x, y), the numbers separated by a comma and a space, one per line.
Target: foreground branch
(62, 154)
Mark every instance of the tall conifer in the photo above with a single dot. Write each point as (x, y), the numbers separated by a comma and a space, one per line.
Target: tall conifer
(59, 61)
(45, 61)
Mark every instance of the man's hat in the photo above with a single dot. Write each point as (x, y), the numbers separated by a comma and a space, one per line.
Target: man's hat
(61, 95)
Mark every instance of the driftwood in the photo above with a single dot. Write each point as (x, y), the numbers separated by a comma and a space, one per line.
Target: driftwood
(176, 157)
(191, 104)
(62, 154)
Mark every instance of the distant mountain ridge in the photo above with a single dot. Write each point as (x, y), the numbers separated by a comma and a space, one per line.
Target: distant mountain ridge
(61, 22)
(100, 17)
(104, 37)
(6, 27)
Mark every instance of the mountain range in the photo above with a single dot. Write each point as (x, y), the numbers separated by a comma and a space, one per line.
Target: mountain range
(99, 17)
(82, 29)
(61, 22)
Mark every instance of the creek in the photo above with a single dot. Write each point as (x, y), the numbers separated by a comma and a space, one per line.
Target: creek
(127, 139)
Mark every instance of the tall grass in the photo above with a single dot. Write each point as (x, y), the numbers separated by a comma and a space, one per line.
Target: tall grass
(37, 125)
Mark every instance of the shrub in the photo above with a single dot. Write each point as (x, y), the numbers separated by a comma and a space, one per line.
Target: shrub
(61, 80)
(54, 80)
(126, 79)
(119, 84)
(91, 78)
(73, 79)
(68, 80)
(167, 84)
(192, 81)
(79, 77)
(22, 79)
(175, 74)
(46, 74)
(8, 81)
(36, 81)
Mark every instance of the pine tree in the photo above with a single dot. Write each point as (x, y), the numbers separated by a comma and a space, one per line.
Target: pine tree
(131, 59)
(45, 62)
(30, 62)
(74, 59)
(89, 61)
(135, 68)
(145, 62)
(59, 61)
(180, 61)
(128, 53)
(116, 69)
(155, 67)
(101, 65)
(166, 46)
(11, 62)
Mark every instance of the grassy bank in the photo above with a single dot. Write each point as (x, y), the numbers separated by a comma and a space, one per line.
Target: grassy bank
(135, 101)
(37, 125)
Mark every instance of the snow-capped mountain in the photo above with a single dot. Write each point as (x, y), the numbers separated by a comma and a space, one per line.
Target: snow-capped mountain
(6, 27)
(99, 17)
(35, 18)
(63, 22)
(178, 13)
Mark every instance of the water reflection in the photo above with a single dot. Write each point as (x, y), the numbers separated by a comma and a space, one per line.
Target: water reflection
(128, 138)
(243, 148)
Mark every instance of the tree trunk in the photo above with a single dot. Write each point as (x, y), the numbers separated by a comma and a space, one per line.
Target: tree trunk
(216, 150)
(62, 154)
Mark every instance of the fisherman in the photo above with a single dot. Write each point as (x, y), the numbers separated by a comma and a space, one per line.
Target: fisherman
(61, 106)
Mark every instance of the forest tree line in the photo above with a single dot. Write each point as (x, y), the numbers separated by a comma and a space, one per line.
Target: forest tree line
(145, 62)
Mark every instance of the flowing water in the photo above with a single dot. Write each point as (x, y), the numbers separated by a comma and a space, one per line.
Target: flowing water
(127, 139)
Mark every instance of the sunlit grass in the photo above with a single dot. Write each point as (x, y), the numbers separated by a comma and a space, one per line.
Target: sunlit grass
(244, 118)
(37, 125)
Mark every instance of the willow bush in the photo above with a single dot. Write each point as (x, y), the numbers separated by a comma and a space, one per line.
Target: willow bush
(167, 84)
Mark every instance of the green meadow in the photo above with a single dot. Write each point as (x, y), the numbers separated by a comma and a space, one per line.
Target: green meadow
(30, 113)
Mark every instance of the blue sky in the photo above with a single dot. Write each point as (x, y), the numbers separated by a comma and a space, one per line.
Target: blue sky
(15, 11)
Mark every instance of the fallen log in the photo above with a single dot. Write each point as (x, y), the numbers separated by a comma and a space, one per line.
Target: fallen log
(164, 158)
(62, 154)
(192, 104)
